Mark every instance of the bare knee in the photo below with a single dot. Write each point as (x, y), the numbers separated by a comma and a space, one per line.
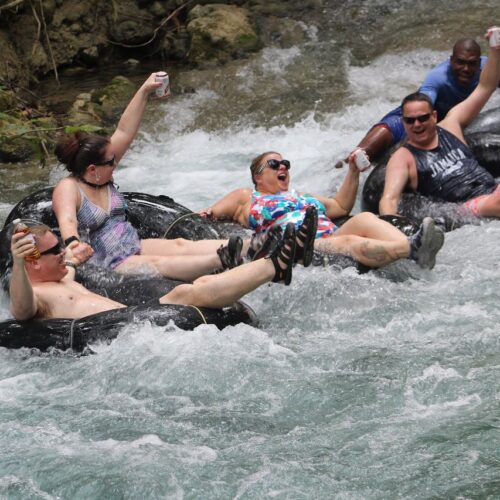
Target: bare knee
(181, 294)
(180, 242)
(202, 280)
(367, 217)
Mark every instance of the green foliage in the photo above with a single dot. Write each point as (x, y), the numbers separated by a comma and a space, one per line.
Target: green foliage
(249, 42)
(89, 129)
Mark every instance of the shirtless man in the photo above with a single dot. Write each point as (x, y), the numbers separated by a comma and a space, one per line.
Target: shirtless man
(45, 288)
(435, 161)
(447, 84)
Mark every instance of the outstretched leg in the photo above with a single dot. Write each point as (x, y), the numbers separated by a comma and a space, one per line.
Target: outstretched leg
(224, 289)
(181, 246)
(185, 267)
(368, 251)
(369, 225)
(372, 252)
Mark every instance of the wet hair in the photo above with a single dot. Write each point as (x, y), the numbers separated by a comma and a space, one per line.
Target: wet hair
(78, 151)
(257, 162)
(467, 44)
(417, 97)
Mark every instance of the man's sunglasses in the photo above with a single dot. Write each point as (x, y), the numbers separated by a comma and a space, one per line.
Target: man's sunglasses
(107, 163)
(410, 120)
(55, 250)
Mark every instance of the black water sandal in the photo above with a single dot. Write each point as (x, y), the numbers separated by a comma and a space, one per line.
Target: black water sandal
(306, 236)
(284, 255)
(230, 255)
(262, 245)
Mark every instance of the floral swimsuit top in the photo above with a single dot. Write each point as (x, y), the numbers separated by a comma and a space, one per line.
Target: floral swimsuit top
(111, 236)
(281, 208)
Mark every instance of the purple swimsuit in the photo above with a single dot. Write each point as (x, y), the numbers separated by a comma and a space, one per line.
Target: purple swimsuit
(111, 236)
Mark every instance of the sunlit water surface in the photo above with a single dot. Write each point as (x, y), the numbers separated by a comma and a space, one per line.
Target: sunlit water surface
(382, 385)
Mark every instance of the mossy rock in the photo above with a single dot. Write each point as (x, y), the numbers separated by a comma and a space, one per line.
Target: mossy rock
(84, 110)
(113, 98)
(13, 70)
(19, 141)
(220, 33)
(103, 107)
(8, 100)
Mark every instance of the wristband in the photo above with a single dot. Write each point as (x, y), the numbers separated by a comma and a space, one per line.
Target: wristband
(68, 263)
(69, 240)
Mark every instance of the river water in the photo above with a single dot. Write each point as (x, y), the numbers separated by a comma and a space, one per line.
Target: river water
(382, 385)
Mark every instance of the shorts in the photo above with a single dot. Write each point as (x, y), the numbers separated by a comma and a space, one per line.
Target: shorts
(325, 228)
(393, 122)
(473, 204)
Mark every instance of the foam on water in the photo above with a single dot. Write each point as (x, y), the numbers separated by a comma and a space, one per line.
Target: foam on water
(197, 167)
(354, 386)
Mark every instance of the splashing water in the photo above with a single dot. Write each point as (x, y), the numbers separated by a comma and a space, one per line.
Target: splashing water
(382, 385)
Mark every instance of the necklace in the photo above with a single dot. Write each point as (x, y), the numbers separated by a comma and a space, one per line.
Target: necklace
(91, 184)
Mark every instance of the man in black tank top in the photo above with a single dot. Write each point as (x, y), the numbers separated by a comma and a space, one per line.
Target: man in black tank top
(435, 161)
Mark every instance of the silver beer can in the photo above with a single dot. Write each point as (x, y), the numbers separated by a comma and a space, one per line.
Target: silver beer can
(164, 90)
(494, 36)
(361, 160)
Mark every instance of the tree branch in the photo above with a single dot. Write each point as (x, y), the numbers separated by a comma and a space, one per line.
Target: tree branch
(155, 32)
(11, 4)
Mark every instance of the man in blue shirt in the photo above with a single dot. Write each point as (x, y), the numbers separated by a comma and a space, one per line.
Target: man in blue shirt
(447, 84)
(435, 160)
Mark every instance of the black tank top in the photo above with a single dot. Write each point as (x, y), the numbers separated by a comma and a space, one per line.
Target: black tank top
(450, 172)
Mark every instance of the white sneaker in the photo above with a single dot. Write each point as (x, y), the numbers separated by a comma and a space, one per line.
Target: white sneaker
(431, 241)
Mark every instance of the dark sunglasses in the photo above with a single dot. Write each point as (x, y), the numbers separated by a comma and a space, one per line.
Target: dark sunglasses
(275, 164)
(410, 120)
(107, 163)
(55, 250)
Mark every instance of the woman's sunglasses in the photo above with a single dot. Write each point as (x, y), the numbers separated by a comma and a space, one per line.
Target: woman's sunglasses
(410, 120)
(275, 164)
(107, 163)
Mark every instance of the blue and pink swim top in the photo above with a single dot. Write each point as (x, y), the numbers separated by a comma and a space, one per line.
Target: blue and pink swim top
(268, 210)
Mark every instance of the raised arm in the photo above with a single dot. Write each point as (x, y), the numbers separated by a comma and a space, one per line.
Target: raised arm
(234, 206)
(342, 203)
(65, 200)
(131, 118)
(397, 177)
(464, 113)
(23, 301)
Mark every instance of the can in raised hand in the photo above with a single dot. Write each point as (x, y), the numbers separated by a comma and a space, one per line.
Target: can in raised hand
(164, 90)
(361, 160)
(494, 36)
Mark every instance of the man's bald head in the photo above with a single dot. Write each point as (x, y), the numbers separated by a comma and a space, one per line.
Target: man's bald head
(465, 61)
(468, 45)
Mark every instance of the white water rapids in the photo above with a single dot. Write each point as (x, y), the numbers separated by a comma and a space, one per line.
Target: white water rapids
(382, 385)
